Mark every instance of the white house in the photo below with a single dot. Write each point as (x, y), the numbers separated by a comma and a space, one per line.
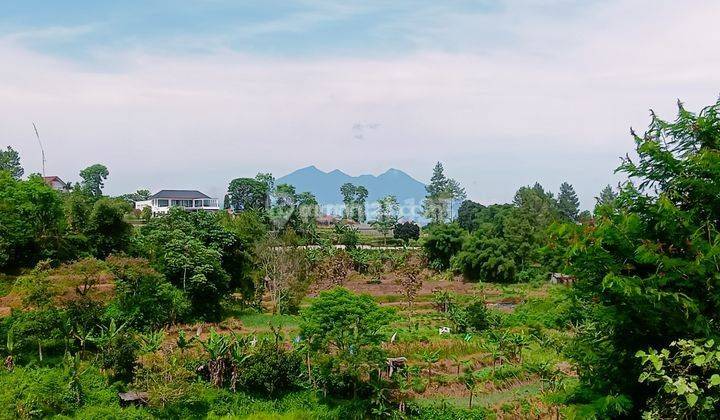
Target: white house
(56, 183)
(190, 200)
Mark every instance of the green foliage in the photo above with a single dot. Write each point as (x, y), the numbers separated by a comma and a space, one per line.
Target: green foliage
(93, 179)
(106, 228)
(346, 235)
(248, 194)
(442, 243)
(478, 316)
(143, 297)
(387, 215)
(192, 250)
(486, 258)
(41, 392)
(647, 270)
(30, 221)
(341, 320)
(406, 231)
(466, 214)
(10, 162)
(442, 192)
(354, 197)
(567, 202)
(688, 377)
(270, 369)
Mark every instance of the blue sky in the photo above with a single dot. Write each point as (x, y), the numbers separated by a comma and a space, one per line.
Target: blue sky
(172, 94)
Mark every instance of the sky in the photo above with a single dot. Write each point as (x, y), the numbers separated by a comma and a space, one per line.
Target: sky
(191, 94)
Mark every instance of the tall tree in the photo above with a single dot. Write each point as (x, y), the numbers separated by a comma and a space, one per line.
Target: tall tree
(30, 221)
(361, 194)
(607, 196)
(435, 205)
(568, 202)
(10, 161)
(247, 194)
(387, 216)
(456, 193)
(348, 193)
(648, 268)
(269, 180)
(308, 207)
(93, 179)
(466, 214)
(285, 205)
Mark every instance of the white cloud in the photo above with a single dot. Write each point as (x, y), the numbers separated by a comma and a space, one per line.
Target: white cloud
(554, 103)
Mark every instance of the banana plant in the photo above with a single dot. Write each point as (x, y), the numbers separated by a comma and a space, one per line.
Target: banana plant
(152, 341)
(184, 343)
(429, 358)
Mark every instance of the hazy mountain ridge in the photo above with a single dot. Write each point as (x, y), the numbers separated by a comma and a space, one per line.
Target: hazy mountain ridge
(326, 185)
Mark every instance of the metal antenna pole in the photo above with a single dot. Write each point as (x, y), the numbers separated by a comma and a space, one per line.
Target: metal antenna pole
(41, 148)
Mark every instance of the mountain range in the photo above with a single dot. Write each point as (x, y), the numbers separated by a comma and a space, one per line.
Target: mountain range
(326, 185)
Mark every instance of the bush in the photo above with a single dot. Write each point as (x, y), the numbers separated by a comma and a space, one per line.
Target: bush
(406, 231)
(485, 258)
(478, 316)
(118, 354)
(271, 369)
(442, 243)
(47, 392)
(142, 295)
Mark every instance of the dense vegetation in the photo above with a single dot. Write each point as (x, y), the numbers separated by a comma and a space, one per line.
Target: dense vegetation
(233, 314)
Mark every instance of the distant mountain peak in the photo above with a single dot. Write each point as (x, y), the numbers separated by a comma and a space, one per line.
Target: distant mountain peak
(326, 185)
(337, 172)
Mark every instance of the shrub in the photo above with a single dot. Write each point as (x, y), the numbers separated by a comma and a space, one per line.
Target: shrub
(270, 369)
(477, 316)
(142, 295)
(442, 243)
(406, 231)
(485, 258)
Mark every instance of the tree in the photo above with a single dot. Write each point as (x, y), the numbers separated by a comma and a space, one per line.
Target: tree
(466, 214)
(308, 207)
(285, 205)
(139, 195)
(387, 216)
(284, 273)
(340, 320)
(486, 258)
(93, 179)
(10, 161)
(31, 217)
(106, 228)
(647, 269)
(410, 279)
(568, 202)
(455, 193)
(248, 194)
(607, 196)
(348, 193)
(143, 297)
(361, 194)
(406, 231)
(442, 243)
(435, 205)
(354, 199)
(195, 253)
(269, 181)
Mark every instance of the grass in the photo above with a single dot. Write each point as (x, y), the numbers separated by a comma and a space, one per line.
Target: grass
(6, 284)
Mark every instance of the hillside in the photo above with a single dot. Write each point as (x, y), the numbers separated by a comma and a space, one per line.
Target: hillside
(326, 185)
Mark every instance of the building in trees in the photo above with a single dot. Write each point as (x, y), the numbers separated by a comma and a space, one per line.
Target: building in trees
(56, 183)
(191, 200)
